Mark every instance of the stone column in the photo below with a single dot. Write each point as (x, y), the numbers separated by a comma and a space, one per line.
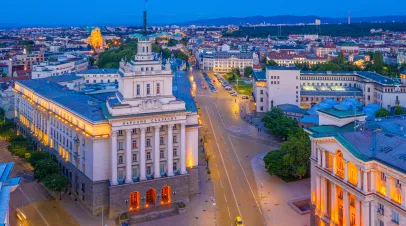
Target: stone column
(403, 196)
(334, 165)
(183, 149)
(169, 146)
(49, 131)
(365, 181)
(357, 212)
(359, 182)
(333, 203)
(157, 173)
(345, 170)
(373, 180)
(142, 154)
(346, 209)
(324, 157)
(388, 186)
(319, 156)
(365, 214)
(318, 187)
(128, 157)
(113, 179)
(325, 197)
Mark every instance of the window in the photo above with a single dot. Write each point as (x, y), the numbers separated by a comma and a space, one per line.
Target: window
(381, 209)
(120, 159)
(175, 166)
(158, 88)
(383, 176)
(134, 131)
(161, 154)
(120, 132)
(83, 187)
(161, 140)
(134, 157)
(138, 90)
(148, 155)
(261, 92)
(148, 129)
(395, 217)
(135, 172)
(120, 145)
(175, 139)
(162, 128)
(148, 89)
(175, 152)
(148, 170)
(162, 168)
(381, 223)
(134, 144)
(262, 100)
(148, 142)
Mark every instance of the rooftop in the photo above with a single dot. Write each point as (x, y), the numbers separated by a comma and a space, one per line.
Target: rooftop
(7, 185)
(259, 75)
(100, 71)
(341, 113)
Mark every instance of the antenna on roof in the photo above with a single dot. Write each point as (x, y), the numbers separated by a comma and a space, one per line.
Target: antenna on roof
(374, 142)
(145, 18)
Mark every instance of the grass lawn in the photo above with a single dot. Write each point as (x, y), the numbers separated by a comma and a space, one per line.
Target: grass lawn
(245, 90)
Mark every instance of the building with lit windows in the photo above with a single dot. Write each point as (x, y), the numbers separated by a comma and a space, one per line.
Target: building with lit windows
(358, 170)
(223, 62)
(129, 151)
(306, 88)
(24, 61)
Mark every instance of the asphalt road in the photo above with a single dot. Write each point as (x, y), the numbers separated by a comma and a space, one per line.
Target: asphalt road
(232, 144)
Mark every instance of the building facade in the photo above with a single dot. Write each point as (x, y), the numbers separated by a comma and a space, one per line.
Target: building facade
(223, 62)
(24, 61)
(314, 87)
(357, 176)
(126, 151)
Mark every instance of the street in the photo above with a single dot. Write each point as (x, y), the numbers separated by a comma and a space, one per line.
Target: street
(232, 143)
(31, 197)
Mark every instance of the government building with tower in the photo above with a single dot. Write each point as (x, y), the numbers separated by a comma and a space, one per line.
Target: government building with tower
(130, 151)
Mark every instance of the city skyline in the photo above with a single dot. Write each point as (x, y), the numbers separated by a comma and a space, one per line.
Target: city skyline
(79, 13)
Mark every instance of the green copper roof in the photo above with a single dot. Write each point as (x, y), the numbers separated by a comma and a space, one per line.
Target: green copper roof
(342, 114)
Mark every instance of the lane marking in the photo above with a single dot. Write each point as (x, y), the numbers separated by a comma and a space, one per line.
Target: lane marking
(40, 214)
(245, 175)
(222, 160)
(225, 196)
(229, 214)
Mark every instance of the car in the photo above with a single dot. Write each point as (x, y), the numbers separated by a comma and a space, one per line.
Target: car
(245, 97)
(233, 94)
(20, 214)
(214, 90)
(238, 221)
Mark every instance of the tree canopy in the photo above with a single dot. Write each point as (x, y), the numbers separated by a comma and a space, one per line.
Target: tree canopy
(248, 71)
(398, 110)
(382, 113)
(56, 183)
(297, 150)
(278, 124)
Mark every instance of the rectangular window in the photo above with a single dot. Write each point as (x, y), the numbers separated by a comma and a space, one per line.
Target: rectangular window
(134, 157)
(381, 223)
(121, 174)
(175, 152)
(148, 142)
(138, 90)
(148, 155)
(120, 132)
(175, 166)
(134, 144)
(175, 139)
(135, 172)
(134, 131)
(148, 129)
(120, 159)
(148, 89)
(149, 170)
(395, 217)
(161, 140)
(162, 168)
(161, 154)
(381, 209)
(158, 88)
(120, 145)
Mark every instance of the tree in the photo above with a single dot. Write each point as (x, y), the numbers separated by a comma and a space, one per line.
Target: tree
(382, 113)
(3, 75)
(45, 168)
(278, 124)
(275, 165)
(172, 42)
(248, 71)
(340, 58)
(37, 156)
(378, 62)
(155, 48)
(166, 53)
(56, 183)
(271, 63)
(18, 149)
(182, 56)
(28, 48)
(398, 110)
(297, 155)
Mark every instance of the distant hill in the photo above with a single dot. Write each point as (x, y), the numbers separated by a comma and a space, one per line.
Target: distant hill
(290, 19)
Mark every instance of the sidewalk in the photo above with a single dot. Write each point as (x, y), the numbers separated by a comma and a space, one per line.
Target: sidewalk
(201, 211)
(276, 194)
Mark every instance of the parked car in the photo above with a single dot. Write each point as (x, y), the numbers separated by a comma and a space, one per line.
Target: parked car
(245, 97)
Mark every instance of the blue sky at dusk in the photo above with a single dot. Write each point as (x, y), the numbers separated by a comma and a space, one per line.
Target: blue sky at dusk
(126, 12)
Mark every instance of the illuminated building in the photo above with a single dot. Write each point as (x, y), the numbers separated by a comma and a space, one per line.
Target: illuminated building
(96, 39)
(223, 62)
(126, 150)
(358, 170)
(305, 88)
(24, 61)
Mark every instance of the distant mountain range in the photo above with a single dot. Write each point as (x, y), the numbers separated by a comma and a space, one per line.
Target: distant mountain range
(290, 19)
